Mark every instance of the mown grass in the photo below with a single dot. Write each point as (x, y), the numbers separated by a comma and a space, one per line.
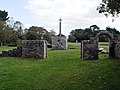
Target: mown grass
(5, 48)
(104, 45)
(62, 70)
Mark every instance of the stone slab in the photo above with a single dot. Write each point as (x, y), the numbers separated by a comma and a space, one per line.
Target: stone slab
(34, 49)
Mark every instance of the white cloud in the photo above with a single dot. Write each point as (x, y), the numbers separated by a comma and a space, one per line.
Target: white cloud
(75, 14)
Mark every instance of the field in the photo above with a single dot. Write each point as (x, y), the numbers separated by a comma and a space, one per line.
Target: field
(62, 70)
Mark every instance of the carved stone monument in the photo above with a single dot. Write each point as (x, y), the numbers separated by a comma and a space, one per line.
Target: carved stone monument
(59, 42)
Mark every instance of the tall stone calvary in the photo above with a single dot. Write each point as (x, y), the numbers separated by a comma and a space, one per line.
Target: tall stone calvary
(60, 26)
(59, 42)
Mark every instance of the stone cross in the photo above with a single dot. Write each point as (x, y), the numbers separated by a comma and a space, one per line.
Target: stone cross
(60, 26)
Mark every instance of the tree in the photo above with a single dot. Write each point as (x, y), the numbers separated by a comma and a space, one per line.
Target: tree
(2, 25)
(109, 7)
(3, 18)
(71, 38)
(77, 34)
(7, 35)
(88, 32)
(114, 31)
(94, 27)
(18, 28)
(31, 36)
(3, 15)
(17, 25)
(38, 33)
(47, 36)
(10, 31)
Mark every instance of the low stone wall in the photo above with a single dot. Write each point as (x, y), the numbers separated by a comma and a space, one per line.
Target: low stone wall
(28, 49)
(16, 52)
(34, 49)
(59, 43)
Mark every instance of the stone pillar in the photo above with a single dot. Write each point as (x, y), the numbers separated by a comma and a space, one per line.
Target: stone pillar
(117, 50)
(89, 50)
(112, 49)
(34, 49)
(60, 26)
(59, 43)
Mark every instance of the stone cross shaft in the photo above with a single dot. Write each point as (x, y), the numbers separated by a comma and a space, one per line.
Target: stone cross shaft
(60, 26)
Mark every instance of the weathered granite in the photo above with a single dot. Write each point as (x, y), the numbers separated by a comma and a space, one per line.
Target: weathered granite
(117, 50)
(34, 49)
(16, 52)
(28, 49)
(89, 50)
(5, 53)
(113, 47)
(59, 43)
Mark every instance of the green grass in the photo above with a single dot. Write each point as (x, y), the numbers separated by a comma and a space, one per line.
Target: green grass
(104, 45)
(5, 48)
(73, 45)
(62, 70)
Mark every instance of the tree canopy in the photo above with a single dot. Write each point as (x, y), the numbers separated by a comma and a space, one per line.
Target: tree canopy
(92, 31)
(3, 15)
(38, 33)
(109, 7)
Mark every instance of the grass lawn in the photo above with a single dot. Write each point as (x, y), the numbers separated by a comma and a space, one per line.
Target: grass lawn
(62, 70)
(5, 48)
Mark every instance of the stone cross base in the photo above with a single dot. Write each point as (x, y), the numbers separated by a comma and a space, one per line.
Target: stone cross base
(59, 43)
(34, 49)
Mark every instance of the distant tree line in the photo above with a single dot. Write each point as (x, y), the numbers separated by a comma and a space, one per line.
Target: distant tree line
(12, 32)
(92, 31)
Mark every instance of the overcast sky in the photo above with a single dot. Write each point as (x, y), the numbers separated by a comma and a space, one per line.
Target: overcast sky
(46, 13)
